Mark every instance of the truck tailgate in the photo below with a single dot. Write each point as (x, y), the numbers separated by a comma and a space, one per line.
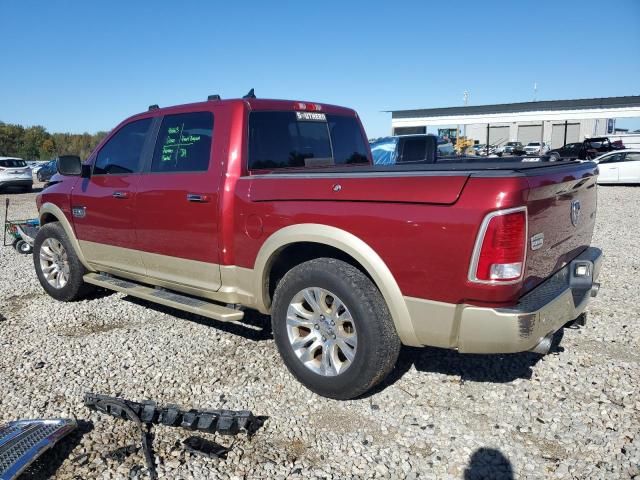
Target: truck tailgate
(562, 213)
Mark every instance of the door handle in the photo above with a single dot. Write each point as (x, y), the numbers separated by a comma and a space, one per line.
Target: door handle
(198, 198)
(121, 195)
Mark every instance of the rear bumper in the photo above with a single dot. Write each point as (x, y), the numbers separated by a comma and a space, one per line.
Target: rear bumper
(18, 182)
(541, 312)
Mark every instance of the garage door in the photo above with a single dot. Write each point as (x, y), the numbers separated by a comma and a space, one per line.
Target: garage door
(557, 134)
(409, 130)
(529, 133)
(498, 135)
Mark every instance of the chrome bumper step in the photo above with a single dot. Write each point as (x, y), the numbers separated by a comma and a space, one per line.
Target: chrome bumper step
(167, 298)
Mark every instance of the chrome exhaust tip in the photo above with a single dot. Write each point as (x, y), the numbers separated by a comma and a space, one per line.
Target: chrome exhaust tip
(595, 288)
(543, 345)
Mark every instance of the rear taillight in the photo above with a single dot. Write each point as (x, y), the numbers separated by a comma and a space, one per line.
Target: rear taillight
(500, 249)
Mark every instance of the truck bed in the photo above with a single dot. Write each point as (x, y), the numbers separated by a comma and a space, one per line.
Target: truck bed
(498, 166)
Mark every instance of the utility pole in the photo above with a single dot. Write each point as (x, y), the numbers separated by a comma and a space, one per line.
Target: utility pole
(466, 102)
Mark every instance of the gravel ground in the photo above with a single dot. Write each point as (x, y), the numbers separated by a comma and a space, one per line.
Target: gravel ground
(572, 414)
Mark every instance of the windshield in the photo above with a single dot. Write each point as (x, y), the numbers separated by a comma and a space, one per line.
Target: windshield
(533, 144)
(13, 163)
(384, 151)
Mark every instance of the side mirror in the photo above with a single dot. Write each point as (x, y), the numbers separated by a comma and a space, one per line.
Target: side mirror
(69, 165)
(86, 171)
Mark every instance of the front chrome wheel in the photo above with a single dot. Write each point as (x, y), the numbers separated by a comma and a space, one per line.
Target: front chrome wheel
(321, 331)
(54, 263)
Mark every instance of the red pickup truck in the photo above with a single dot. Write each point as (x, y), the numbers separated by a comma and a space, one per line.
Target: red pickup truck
(274, 205)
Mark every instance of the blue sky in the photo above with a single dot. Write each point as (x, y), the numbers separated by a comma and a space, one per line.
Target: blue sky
(84, 66)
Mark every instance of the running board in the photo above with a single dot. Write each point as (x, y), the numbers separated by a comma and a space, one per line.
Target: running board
(168, 298)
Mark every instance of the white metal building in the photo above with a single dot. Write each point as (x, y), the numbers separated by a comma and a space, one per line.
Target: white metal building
(554, 122)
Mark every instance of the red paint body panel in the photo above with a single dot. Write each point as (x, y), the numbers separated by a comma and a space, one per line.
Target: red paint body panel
(414, 189)
(108, 220)
(423, 224)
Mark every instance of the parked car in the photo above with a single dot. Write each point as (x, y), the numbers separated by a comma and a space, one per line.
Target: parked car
(536, 148)
(513, 148)
(487, 151)
(14, 172)
(619, 167)
(47, 171)
(570, 151)
(594, 147)
(478, 146)
(588, 149)
(36, 166)
(284, 212)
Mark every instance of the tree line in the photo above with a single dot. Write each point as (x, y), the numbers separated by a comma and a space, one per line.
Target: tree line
(35, 143)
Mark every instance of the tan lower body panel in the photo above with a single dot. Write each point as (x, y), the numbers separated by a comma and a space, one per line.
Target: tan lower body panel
(187, 276)
(180, 271)
(435, 323)
(118, 258)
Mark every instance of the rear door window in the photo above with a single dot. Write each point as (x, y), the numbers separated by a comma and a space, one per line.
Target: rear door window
(122, 152)
(184, 143)
(304, 139)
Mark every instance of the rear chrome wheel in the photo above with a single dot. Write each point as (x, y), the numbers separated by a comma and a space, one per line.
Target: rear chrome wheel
(333, 328)
(54, 263)
(321, 331)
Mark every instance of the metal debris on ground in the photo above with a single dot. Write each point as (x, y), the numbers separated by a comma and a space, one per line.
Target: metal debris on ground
(121, 408)
(23, 441)
(225, 422)
(206, 448)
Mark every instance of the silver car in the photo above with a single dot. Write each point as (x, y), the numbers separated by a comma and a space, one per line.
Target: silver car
(14, 172)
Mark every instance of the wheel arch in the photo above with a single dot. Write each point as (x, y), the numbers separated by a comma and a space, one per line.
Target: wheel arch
(324, 240)
(52, 213)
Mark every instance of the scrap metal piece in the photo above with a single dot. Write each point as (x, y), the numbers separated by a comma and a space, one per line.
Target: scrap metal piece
(225, 422)
(23, 441)
(206, 448)
(120, 408)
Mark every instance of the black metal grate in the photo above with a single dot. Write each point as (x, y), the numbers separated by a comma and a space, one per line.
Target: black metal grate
(23, 441)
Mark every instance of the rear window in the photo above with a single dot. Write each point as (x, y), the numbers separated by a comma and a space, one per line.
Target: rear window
(13, 163)
(304, 139)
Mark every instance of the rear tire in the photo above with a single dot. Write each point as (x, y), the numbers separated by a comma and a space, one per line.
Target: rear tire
(58, 268)
(348, 309)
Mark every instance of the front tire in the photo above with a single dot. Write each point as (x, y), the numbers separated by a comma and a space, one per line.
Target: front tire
(333, 329)
(58, 268)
